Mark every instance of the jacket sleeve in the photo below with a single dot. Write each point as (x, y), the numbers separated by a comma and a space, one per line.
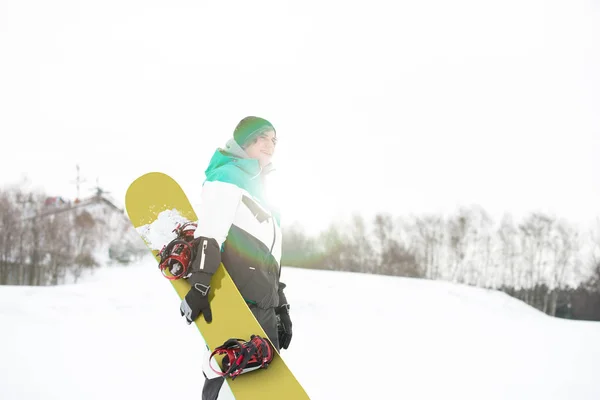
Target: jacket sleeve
(282, 299)
(218, 205)
(219, 202)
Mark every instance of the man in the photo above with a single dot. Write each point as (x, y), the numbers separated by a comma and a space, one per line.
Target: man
(238, 227)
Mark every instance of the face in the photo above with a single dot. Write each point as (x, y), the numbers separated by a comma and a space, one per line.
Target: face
(263, 148)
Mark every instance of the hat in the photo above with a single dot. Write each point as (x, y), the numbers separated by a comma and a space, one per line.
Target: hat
(250, 127)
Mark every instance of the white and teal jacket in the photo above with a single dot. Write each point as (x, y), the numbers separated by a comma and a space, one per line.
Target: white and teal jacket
(233, 210)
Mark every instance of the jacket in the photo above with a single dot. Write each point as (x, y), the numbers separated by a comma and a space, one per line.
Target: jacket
(234, 211)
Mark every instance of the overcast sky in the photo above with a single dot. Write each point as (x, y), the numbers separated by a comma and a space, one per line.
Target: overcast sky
(405, 107)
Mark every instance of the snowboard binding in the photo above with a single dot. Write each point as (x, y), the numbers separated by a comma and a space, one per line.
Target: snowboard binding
(176, 256)
(242, 357)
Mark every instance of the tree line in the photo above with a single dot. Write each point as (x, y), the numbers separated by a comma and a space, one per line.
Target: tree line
(40, 245)
(541, 259)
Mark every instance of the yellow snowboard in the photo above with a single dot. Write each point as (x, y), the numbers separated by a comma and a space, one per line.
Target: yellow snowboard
(155, 204)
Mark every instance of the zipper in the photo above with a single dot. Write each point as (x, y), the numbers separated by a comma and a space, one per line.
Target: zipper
(273, 245)
(203, 257)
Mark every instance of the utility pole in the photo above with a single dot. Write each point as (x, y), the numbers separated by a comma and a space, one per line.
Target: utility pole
(78, 181)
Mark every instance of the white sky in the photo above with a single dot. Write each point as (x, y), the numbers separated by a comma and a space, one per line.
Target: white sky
(379, 106)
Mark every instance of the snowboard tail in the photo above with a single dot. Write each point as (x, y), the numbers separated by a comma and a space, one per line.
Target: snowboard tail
(156, 204)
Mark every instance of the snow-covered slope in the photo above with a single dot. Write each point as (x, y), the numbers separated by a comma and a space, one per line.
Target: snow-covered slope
(118, 335)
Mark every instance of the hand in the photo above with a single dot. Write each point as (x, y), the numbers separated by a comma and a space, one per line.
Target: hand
(284, 326)
(206, 260)
(196, 300)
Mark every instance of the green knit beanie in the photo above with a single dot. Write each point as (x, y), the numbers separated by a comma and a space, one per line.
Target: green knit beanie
(250, 127)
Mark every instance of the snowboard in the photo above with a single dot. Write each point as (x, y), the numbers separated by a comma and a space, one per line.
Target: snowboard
(156, 204)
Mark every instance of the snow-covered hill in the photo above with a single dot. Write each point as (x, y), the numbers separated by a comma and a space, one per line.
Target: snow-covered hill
(118, 335)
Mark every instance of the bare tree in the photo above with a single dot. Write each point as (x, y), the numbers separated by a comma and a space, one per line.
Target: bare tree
(508, 235)
(333, 243)
(565, 247)
(593, 283)
(471, 246)
(484, 270)
(82, 237)
(298, 249)
(359, 252)
(536, 230)
(460, 228)
(56, 246)
(594, 240)
(394, 257)
(428, 241)
(383, 230)
(36, 240)
(10, 234)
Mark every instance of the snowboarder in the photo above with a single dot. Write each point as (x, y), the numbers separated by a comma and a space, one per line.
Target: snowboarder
(240, 228)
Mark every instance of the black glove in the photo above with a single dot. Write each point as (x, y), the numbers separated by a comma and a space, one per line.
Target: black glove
(284, 326)
(196, 300)
(284, 322)
(206, 260)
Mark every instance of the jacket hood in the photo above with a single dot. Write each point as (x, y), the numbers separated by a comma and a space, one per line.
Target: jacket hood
(233, 153)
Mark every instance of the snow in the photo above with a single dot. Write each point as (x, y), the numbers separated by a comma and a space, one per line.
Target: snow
(118, 334)
(160, 231)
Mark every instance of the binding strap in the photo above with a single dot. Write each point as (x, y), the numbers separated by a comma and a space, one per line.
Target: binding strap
(241, 357)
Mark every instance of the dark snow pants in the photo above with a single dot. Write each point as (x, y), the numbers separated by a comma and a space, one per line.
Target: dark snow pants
(268, 321)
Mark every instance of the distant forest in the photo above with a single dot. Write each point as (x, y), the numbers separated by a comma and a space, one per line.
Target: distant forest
(542, 260)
